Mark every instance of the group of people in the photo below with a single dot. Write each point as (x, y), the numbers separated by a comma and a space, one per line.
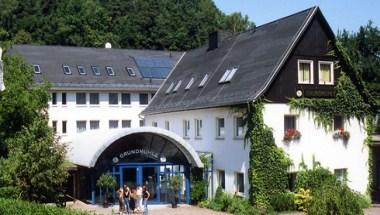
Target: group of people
(133, 200)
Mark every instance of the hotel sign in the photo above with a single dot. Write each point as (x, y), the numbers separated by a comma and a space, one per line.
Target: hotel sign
(137, 152)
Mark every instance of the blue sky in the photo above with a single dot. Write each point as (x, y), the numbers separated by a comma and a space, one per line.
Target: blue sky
(341, 14)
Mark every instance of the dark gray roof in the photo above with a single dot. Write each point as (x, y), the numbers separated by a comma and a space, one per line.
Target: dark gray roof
(52, 58)
(258, 54)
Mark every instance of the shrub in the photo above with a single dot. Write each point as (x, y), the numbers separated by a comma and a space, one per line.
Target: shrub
(198, 191)
(13, 206)
(335, 199)
(314, 178)
(9, 192)
(283, 201)
(303, 199)
(364, 201)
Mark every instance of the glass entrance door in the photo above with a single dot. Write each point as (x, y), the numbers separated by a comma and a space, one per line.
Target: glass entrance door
(150, 180)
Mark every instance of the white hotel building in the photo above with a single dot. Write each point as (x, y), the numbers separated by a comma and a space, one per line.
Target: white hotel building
(117, 112)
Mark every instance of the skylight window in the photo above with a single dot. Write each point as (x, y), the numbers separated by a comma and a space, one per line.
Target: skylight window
(110, 71)
(189, 84)
(36, 69)
(228, 75)
(130, 71)
(203, 81)
(95, 70)
(81, 70)
(170, 88)
(177, 86)
(67, 70)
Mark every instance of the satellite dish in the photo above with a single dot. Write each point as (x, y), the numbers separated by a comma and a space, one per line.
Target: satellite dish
(108, 45)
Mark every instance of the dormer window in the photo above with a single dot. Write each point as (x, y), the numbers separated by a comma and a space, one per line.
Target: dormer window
(189, 84)
(177, 86)
(95, 70)
(81, 70)
(66, 70)
(110, 71)
(170, 88)
(305, 72)
(203, 82)
(37, 69)
(130, 71)
(326, 72)
(228, 75)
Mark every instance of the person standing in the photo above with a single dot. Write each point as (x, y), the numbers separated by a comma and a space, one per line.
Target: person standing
(146, 196)
(127, 197)
(139, 198)
(120, 194)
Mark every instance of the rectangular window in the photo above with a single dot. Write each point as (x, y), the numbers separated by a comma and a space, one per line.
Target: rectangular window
(64, 127)
(326, 72)
(66, 70)
(341, 174)
(221, 179)
(63, 98)
(54, 98)
(167, 125)
(203, 82)
(220, 127)
(54, 124)
(110, 71)
(290, 122)
(81, 98)
(292, 176)
(186, 128)
(126, 123)
(94, 124)
(125, 99)
(177, 86)
(143, 98)
(94, 98)
(239, 182)
(82, 70)
(189, 84)
(130, 71)
(228, 75)
(305, 71)
(113, 124)
(113, 98)
(198, 128)
(95, 70)
(239, 127)
(36, 69)
(81, 126)
(154, 124)
(170, 88)
(338, 122)
(142, 123)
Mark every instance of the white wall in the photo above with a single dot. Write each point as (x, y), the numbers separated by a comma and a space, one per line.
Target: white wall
(231, 156)
(71, 112)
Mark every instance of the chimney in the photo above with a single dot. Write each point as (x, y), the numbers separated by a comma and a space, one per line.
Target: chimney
(213, 41)
(2, 87)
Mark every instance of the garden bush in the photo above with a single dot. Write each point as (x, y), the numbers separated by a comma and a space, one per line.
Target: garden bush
(283, 201)
(335, 199)
(19, 207)
(198, 191)
(303, 199)
(314, 178)
(9, 192)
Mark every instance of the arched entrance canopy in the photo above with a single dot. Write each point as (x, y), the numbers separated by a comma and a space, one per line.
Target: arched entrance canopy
(85, 148)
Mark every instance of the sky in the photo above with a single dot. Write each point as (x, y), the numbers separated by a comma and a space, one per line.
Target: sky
(340, 14)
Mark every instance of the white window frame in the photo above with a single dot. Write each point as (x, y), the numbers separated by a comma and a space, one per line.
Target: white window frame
(130, 71)
(177, 86)
(311, 62)
(189, 84)
(170, 88)
(167, 125)
(228, 75)
(331, 75)
(110, 71)
(237, 184)
(38, 70)
(83, 69)
(186, 128)
(204, 80)
(236, 128)
(219, 134)
(198, 128)
(95, 70)
(68, 68)
(341, 174)
(219, 171)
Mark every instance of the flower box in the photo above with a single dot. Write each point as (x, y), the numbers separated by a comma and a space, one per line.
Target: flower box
(340, 133)
(291, 134)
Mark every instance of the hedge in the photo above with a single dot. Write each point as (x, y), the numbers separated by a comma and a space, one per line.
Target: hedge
(19, 207)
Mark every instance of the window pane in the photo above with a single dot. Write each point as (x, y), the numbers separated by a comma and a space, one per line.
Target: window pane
(239, 130)
(221, 179)
(167, 125)
(304, 73)
(143, 98)
(94, 98)
(54, 123)
(240, 182)
(94, 125)
(113, 98)
(54, 98)
(81, 98)
(338, 122)
(64, 127)
(125, 98)
(289, 122)
(325, 73)
(142, 123)
(113, 124)
(81, 126)
(63, 98)
(220, 127)
(126, 123)
(198, 129)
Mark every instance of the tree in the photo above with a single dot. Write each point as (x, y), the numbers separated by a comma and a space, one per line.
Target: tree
(32, 161)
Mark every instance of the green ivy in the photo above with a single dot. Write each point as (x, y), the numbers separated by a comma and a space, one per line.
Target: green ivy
(268, 164)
